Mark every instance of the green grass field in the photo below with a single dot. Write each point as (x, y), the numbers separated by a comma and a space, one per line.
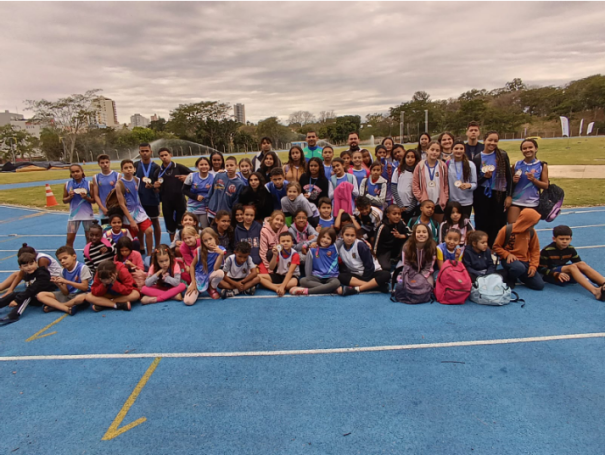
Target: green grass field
(579, 192)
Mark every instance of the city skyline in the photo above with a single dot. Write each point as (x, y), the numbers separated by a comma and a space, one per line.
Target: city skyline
(353, 58)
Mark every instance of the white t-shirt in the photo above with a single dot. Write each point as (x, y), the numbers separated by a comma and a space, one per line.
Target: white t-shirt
(432, 191)
(236, 271)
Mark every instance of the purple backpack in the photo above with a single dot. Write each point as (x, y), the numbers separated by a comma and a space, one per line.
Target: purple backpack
(413, 288)
(551, 200)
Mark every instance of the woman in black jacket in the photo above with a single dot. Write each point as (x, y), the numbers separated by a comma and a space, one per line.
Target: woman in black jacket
(314, 183)
(257, 195)
(493, 195)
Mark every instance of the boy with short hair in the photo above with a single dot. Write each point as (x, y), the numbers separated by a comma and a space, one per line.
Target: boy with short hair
(102, 184)
(265, 147)
(113, 287)
(368, 217)
(241, 273)
(473, 147)
(556, 268)
(427, 208)
(135, 217)
(326, 219)
(226, 189)
(73, 285)
(277, 186)
(328, 154)
(36, 278)
(286, 265)
(518, 247)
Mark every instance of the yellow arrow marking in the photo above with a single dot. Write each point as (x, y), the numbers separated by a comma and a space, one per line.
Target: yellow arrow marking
(37, 336)
(114, 430)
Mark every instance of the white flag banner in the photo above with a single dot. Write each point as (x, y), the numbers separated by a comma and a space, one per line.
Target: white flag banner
(589, 129)
(581, 127)
(564, 126)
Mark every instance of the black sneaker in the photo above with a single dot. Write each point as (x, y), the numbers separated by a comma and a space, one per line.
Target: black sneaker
(223, 293)
(124, 306)
(251, 291)
(8, 320)
(349, 290)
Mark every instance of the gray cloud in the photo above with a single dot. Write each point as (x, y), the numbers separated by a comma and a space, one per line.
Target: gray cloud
(276, 58)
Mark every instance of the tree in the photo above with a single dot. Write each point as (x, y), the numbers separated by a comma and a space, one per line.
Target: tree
(207, 122)
(339, 130)
(16, 140)
(158, 125)
(326, 116)
(300, 118)
(70, 115)
(143, 134)
(50, 144)
(279, 134)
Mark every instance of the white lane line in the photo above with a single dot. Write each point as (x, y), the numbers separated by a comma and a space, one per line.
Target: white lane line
(586, 247)
(575, 227)
(403, 347)
(579, 212)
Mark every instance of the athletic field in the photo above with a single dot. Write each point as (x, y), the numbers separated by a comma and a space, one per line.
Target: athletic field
(306, 375)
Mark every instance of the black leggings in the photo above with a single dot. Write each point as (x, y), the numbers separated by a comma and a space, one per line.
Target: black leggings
(490, 216)
(382, 277)
(173, 210)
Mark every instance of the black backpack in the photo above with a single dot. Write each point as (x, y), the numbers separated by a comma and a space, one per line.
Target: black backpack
(551, 200)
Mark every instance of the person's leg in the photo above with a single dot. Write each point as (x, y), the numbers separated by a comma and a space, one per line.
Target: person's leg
(535, 282)
(169, 211)
(191, 298)
(157, 231)
(149, 239)
(180, 209)
(9, 281)
(150, 294)
(481, 207)
(591, 273)
(323, 286)
(252, 283)
(577, 274)
(512, 214)
(87, 225)
(215, 278)
(101, 301)
(203, 219)
(48, 298)
(171, 292)
(224, 285)
(267, 282)
(291, 284)
(514, 270)
(467, 210)
(7, 299)
(384, 259)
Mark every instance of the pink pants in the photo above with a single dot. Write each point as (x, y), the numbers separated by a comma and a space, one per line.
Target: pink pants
(163, 294)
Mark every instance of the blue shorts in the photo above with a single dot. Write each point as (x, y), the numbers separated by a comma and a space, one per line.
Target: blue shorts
(553, 280)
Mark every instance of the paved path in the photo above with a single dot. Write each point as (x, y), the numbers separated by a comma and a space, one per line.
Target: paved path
(577, 172)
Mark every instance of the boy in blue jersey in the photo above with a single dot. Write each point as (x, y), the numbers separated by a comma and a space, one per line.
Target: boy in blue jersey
(226, 189)
(326, 219)
(102, 184)
(73, 285)
(277, 187)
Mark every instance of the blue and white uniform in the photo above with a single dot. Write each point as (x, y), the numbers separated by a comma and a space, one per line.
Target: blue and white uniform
(105, 183)
(199, 187)
(78, 274)
(202, 277)
(525, 193)
(133, 201)
(79, 208)
(325, 262)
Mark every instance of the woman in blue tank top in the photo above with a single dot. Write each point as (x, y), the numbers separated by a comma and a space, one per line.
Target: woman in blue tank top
(530, 175)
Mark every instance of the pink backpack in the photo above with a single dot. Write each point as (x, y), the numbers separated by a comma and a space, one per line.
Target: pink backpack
(104, 241)
(453, 284)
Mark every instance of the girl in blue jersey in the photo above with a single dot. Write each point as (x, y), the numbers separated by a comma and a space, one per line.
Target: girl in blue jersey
(358, 169)
(205, 269)
(361, 271)
(529, 177)
(77, 193)
(321, 267)
(197, 186)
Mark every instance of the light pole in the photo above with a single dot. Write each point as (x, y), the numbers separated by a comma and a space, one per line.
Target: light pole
(13, 146)
(426, 120)
(63, 143)
(401, 127)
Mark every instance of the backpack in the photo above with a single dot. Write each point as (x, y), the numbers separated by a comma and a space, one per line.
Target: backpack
(453, 283)
(551, 200)
(413, 288)
(111, 201)
(492, 290)
(509, 231)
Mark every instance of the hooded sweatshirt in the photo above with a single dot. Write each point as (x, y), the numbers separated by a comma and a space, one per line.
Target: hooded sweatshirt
(521, 243)
(300, 203)
(252, 236)
(268, 239)
(302, 237)
(420, 184)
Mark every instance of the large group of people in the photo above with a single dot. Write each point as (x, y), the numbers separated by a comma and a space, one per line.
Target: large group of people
(314, 224)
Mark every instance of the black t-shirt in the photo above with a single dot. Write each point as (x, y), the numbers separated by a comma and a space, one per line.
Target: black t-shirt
(472, 150)
(171, 186)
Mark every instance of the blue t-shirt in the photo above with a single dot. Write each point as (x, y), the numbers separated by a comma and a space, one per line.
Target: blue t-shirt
(199, 187)
(105, 183)
(526, 194)
(359, 175)
(277, 194)
(328, 171)
(489, 160)
(326, 223)
(325, 262)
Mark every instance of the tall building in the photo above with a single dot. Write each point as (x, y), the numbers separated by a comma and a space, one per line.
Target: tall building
(154, 118)
(6, 117)
(105, 112)
(240, 112)
(138, 120)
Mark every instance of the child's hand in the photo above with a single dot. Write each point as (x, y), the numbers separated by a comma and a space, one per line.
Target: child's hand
(178, 243)
(104, 250)
(511, 258)
(531, 271)
(240, 286)
(274, 250)
(71, 193)
(516, 178)
(217, 250)
(488, 175)
(191, 289)
(281, 290)
(134, 226)
(341, 211)
(129, 264)
(313, 245)
(200, 198)
(563, 277)
(305, 249)
(13, 304)
(397, 234)
(160, 272)
(58, 280)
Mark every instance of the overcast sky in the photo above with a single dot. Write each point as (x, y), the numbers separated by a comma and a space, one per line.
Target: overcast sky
(277, 58)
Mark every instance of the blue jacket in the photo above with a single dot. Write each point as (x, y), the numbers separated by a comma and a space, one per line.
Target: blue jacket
(224, 193)
(252, 236)
(478, 264)
(277, 194)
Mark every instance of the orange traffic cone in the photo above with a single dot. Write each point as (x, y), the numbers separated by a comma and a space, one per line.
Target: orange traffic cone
(50, 197)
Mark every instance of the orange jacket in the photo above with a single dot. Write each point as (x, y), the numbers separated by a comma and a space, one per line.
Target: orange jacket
(521, 243)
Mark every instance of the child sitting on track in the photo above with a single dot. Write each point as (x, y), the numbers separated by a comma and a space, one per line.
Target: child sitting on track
(321, 267)
(555, 264)
(249, 231)
(113, 287)
(284, 267)
(295, 201)
(241, 273)
(269, 237)
(73, 285)
(117, 231)
(188, 219)
(427, 209)
(450, 249)
(164, 278)
(127, 255)
(37, 279)
(326, 219)
(419, 252)
(390, 237)
(302, 231)
(205, 269)
(477, 257)
(360, 270)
